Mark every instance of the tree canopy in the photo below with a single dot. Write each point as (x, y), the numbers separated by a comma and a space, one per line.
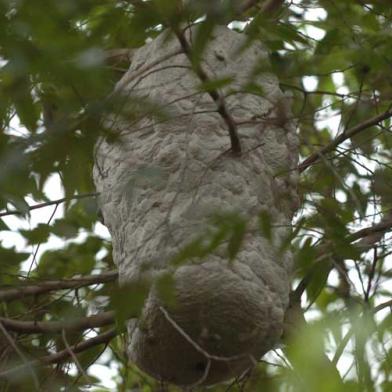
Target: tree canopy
(61, 309)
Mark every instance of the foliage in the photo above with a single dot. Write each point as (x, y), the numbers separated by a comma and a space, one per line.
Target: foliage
(59, 61)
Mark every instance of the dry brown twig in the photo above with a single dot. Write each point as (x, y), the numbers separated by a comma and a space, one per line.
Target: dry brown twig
(214, 94)
(268, 8)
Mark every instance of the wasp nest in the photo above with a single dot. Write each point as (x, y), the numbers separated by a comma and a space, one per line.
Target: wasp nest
(168, 173)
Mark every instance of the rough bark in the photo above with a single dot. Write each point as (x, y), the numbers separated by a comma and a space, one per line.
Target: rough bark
(227, 314)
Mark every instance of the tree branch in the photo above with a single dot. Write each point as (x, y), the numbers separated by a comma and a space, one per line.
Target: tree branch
(343, 137)
(214, 94)
(369, 237)
(81, 324)
(54, 285)
(49, 203)
(382, 306)
(64, 354)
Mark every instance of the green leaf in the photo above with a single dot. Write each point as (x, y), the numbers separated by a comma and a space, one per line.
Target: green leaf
(195, 249)
(306, 353)
(304, 258)
(62, 228)
(215, 84)
(26, 109)
(128, 300)
(382, 185)
(236, 238)
(200, 41)
(265, 225)
(3, 226)
(38, 235)
(165, 286)
(20, 204)
(320, 272)
(10, 259)
(71, 260)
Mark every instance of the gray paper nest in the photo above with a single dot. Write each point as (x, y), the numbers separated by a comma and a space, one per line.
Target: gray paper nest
(161, 182)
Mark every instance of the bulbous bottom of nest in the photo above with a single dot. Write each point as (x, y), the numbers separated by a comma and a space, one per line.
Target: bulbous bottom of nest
(222, 322)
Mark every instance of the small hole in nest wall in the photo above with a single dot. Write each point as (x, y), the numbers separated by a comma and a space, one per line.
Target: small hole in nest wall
(200, 366)
(219, 56)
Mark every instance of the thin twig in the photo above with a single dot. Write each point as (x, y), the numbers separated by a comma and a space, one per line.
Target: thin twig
(27, 364)
(199, 348)
(73, 356)
(33, 261)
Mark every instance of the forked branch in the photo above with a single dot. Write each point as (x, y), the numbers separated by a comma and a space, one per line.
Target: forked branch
(214, 94)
